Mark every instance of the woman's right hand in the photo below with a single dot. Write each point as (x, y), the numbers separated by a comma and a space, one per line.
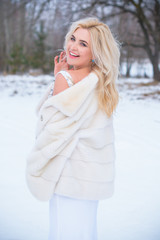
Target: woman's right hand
(60, 64)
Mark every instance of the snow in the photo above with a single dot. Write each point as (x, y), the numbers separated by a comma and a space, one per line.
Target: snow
(134, 210)
(138, 68)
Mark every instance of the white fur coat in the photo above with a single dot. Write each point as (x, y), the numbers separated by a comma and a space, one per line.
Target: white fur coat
(73, 154)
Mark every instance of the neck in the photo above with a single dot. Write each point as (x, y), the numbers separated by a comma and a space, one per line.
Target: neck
(84, 69)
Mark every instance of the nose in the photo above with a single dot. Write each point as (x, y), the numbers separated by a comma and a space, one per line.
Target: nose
(74, 45)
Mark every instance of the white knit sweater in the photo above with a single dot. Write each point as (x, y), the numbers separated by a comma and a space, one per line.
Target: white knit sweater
(74, 152)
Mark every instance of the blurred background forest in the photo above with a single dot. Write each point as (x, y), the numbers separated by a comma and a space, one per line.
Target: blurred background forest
(32, 31)
(31, 34)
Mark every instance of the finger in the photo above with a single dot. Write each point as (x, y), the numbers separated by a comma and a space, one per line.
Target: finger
(64, 53)
(61, 55)
(56, 59)
(65, 58)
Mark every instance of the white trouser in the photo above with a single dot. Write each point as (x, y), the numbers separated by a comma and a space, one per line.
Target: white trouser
(72, 219)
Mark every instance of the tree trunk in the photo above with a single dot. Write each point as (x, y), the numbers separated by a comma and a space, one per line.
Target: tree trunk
(128, 70)
(156, 71)
(155, 63)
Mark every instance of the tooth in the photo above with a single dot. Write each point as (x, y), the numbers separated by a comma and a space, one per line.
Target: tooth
(73, 54)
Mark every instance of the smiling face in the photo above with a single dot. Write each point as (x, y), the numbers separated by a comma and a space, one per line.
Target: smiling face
(78, 49)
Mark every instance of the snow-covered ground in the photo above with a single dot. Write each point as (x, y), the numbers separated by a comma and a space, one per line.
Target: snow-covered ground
(138, 68)
(133, 213)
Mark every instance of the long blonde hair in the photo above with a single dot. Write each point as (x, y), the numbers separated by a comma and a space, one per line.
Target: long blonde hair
(105, 50)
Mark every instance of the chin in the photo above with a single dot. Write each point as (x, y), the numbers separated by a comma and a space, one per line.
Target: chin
(71, 62)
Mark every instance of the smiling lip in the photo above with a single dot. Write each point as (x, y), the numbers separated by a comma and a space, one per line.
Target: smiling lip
(73, 56)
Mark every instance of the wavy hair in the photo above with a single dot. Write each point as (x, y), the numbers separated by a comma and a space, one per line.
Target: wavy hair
(106, 54)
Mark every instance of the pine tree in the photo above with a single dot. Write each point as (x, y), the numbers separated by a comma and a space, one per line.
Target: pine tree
(38, 59)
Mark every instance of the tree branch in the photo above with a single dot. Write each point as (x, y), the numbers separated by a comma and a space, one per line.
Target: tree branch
(124, 44)
(41, 10)
(116, 5)
(84, 9)
(25, 2)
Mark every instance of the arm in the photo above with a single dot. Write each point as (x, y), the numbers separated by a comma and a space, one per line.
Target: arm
(60, 84)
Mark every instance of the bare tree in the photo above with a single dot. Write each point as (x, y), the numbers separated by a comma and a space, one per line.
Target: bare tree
(146, 15)
(128, 31)
(136, 22)
(18, 21)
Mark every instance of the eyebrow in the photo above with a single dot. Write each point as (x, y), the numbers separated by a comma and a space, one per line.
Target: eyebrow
(80, 40)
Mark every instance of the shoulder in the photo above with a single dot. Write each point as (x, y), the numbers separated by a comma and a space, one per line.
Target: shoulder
(60, 84)
(78, 75)
(67, 78)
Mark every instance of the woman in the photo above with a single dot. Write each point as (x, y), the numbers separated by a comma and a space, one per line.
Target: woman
(72, 161)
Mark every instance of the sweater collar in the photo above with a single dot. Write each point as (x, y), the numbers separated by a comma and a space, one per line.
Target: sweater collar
(71, 99)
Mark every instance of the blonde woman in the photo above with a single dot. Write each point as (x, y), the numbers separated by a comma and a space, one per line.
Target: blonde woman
(72, 161)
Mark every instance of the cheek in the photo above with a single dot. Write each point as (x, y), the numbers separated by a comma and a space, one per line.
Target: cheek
(68, 46)
(87, 54)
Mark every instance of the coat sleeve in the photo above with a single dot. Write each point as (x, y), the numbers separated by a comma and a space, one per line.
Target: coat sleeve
(45, 163)
(52, 141)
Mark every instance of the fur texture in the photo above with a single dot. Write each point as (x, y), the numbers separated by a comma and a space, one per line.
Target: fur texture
(73, 154)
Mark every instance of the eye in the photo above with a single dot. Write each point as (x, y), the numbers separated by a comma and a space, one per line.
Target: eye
(83, 44)
(72, 38)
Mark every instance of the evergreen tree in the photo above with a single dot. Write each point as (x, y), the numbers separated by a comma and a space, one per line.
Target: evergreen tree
(38, 59)
(17, 59)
